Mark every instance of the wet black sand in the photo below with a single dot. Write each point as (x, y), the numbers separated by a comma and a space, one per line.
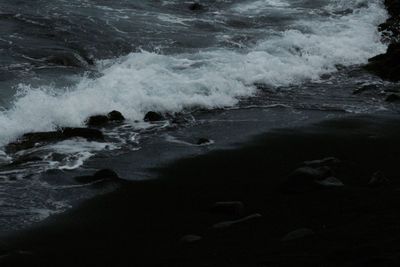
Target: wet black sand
(142, 223)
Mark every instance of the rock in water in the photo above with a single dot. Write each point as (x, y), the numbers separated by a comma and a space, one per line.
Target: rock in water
(115, 116)
(203, 141)
(153, 116)
(30, 140)
(386, 66)
(393, 98)
(90, 134)
(196, 7)
(297, 234)
(97, 120)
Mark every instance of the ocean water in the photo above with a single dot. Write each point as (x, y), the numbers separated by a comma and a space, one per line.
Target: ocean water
(63, 61)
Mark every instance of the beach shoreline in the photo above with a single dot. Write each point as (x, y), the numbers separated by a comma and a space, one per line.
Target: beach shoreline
(170, 221)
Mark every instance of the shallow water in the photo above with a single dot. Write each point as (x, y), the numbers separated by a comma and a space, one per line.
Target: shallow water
(62, 61)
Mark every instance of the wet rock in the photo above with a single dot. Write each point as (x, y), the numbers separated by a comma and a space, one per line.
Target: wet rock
(320, 162)
(115, 116)
(228, 224)
(235, 208)
(386, 66)
(191, 238)
(393, 98)
(101, 175)
(365, 88)
(25, 159)
(153, 116)
(378, 179)
(203, 141)
(67, 59)
(196, 6)
(297, 234)
(330, 181)
(97, 120)
(87, 133)
(30, 140)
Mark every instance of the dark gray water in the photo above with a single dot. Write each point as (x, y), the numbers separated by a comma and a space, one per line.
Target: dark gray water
(62, 61)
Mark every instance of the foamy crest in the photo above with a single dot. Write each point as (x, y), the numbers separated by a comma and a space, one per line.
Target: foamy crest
(212, 78)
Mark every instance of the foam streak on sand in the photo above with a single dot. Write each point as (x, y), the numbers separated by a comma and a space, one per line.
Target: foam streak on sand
(211, 78)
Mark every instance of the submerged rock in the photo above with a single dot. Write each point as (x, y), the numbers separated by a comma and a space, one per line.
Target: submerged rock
(153, 116)
(30, 140)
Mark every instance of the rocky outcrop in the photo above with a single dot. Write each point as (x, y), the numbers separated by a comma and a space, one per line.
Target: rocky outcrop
(387, 66)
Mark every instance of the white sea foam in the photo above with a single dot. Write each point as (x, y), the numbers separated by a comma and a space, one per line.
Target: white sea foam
(139, 82)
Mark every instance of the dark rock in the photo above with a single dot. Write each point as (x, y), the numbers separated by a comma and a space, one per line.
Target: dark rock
(153, 116)
(67, 59)
(330, 181)
(25, 159)
(115, 116)
(365, 88)
(191, 238)
(196, 7)
(30, 140)
(101, 175)
(106, 174)
(306, 179)
(87, 133)
(378, 179)
(97, 120)
(203, 141)
(393, 98)
(320, 162)
(235, 208)
(386, 66)
(297, 234)
(228, 224)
